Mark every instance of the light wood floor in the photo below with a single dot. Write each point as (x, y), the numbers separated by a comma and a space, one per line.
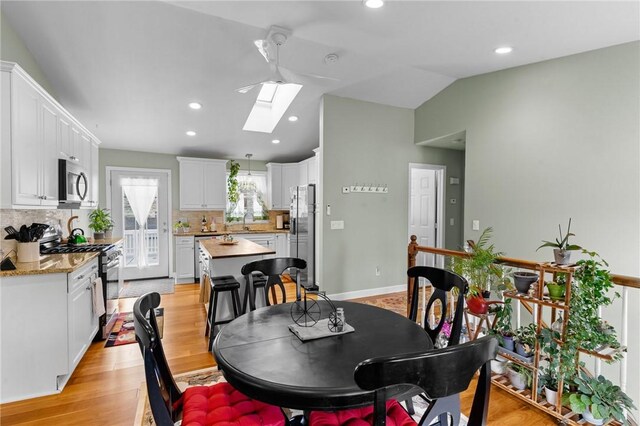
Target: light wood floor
(104, 388)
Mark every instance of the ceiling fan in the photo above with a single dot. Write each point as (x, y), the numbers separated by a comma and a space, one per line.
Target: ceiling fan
(277, 36)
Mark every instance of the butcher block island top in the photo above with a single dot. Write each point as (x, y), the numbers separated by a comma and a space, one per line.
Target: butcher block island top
(218, 249)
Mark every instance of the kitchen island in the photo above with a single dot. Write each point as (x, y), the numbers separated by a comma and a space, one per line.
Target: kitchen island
(218, 257)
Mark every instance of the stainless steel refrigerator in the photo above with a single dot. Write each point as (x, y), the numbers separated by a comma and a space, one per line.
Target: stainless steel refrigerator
(302, 231)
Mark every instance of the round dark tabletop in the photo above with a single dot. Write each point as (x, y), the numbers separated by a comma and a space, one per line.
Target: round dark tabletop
(263, 359)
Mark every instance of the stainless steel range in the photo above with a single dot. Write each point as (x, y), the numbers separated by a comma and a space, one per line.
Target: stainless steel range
(110, 269)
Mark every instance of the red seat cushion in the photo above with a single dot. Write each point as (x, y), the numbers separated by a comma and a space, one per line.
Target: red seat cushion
(222, 405)
(396, 416)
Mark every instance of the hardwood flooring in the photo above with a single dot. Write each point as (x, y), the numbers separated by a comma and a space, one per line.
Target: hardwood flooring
(104, 388)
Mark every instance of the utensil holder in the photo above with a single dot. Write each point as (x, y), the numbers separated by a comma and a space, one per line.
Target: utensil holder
(29, 252)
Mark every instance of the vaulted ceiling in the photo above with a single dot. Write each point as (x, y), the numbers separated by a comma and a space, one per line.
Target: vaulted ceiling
(128, 69)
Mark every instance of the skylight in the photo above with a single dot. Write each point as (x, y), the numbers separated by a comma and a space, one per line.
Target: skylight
(273, 101)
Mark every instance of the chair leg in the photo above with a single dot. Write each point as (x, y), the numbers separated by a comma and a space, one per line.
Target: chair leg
(235, 301)
(209, 320)
(212, 333)
(440, 409)
(410, 409)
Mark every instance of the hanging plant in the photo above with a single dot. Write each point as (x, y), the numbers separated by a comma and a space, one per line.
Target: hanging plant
(232, 182)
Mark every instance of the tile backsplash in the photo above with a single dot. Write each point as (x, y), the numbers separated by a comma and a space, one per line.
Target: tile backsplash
(195, 220)
(19, 217)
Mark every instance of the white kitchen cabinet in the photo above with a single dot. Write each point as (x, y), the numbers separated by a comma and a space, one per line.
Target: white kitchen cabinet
(312, 172)
(290, 176)
(303, 172)
(94, 173)
(203, 184)
(56, 327)
(82, 322)
(282, 245)
(185, 259)
(265, 240)
(274, 186)
(36, 129)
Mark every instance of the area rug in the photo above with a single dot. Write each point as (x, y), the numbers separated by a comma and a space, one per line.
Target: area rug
(123, 332)
(211, 376)
(396, 303)
(138, 288)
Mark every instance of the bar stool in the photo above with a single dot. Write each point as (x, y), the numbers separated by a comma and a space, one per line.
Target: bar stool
(259, 282)
(222, 284)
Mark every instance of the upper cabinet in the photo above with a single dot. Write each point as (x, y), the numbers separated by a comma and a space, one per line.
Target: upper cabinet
(203, 184)
(281, 177)
(36, 131)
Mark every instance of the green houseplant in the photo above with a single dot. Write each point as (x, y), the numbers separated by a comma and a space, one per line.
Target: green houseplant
(562, 248)
(502, 326)
(526, 340)
(100, 222)
(548, 378)
(520, 376)
(598, 400)
(232, 183)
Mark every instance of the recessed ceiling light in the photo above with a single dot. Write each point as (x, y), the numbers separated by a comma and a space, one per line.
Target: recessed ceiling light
(195, 105)
(191, 133)
(293, 118)
(503, 50)
(374, 4)
(275, 141)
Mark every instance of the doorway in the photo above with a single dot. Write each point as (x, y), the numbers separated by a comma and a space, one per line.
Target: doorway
(139, 200)
(426, 209)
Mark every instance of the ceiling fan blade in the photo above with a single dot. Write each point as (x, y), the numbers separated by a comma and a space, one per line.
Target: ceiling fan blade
(262, 46)
(320, 77)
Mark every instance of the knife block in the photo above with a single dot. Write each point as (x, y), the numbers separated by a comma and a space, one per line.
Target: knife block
(29, 252)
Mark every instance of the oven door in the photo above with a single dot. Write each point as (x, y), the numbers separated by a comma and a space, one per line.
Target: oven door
(113, 282)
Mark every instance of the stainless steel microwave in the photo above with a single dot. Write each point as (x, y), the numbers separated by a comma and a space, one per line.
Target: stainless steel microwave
(72, 184)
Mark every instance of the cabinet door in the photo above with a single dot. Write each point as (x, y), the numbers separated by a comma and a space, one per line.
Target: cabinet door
(49, 152)
(80, 322)
(26, 143)
(65, 142)
(85, 152)
(274, 186)
(313, 169)
(94, 175)
(303, 170)
(282, 246)
(289, 180)
(191, 189)
(184, 260)
(76, 144)
(215, 185)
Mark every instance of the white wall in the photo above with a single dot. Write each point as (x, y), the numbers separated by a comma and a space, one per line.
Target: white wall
(550, 141)
(364, 142)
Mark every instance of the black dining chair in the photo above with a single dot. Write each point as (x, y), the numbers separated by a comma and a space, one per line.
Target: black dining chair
(443, 283)
(272, 269)
(439, 373)
(197, 404)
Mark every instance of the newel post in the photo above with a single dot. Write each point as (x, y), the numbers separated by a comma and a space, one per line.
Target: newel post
(412, 251)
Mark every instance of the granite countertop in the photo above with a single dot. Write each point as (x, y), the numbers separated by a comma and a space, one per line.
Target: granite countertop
(114, 240)
(216, 249)
(217, 233)
(50, 264)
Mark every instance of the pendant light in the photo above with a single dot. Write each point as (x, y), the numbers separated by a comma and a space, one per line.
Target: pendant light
(249, 159)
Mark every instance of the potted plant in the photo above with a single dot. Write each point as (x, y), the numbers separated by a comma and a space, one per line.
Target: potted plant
(526, 340)
(548, 382)
(100, 222)
(520, 376)
(479, 267)
(502, 326)
(562, 248)
(232, 182)
(599, 400)
(548, 379)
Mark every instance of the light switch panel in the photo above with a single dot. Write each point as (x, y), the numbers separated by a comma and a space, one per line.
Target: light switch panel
(475, 225)
(337, 224)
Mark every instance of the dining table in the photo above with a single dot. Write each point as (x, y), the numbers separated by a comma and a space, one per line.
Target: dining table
(262, 358)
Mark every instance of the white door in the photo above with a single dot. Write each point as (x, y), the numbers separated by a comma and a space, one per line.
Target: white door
(422, 211)
(136, 196)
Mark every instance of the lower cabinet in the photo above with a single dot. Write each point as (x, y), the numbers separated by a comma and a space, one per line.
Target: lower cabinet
(282, 245)
(185, 259)
(47, 324)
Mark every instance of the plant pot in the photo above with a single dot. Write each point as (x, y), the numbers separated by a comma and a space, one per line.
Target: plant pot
(29, 252)
(108, 233)
(520, 350)
(518, 380)
(523, 281)
(477, 305)
(589, 417)
(498, 367)
(562, 257)
(556, 291)
(551, 396)
(98, 235)
(508, 343)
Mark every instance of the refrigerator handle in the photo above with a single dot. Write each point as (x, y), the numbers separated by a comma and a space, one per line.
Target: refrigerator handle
(293, 226)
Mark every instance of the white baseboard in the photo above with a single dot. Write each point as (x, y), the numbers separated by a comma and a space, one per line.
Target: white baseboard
(368, 292)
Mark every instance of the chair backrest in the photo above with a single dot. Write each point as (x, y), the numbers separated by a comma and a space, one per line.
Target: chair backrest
(161, 388)
(440, 373)
(273, 268)
(443, 281)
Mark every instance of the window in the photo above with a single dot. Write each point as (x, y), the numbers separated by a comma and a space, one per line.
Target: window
(252, 191)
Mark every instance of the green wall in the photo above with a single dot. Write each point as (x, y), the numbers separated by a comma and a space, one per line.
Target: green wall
(13, 49)
(366, 142)
(549, 141)
(149, 160)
